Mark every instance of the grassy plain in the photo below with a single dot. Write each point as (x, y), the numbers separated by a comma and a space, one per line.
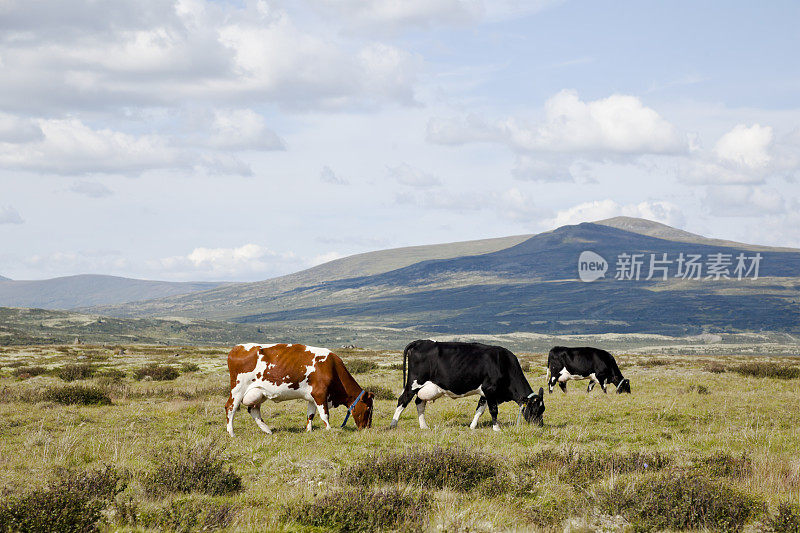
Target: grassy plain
(685, 420)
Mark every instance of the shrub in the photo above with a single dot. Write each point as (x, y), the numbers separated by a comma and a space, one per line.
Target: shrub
(78, 395)
(525, 365)
(714, 368)
(583, 468)
(190, 367)
(365, 510)
(200, 468)
(25, 372)
(382, 393)
(74, 372)
(767, 370)
(725, 465)
(699, 389)
(185, 515)
(157, 372)
(787, 520)
(361, 366)
(111, 373)
(73, 502)
(682, 501)
(456, 468)
(649, 363)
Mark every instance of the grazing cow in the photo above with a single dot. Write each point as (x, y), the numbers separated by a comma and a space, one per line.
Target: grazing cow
(458, 369)
(598, 366)
(279, 372)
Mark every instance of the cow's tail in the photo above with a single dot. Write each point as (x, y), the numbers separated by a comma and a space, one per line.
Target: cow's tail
(405, 360)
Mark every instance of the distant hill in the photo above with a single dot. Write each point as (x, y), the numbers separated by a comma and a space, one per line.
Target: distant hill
(3, 278)
(245, 298)
(90, 290)
(528, 286)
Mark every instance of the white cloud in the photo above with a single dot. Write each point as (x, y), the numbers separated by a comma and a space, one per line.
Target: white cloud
(244, 260)
(242, 129)
(15, 129)
(329, 176)
(378, 17)
(538, 168)
(405, 174)
(511, 204)
(664, 212)
(92, 189)
(324, 258)
(747, 147)
(9, 215)
(743, 201)
(619, 124)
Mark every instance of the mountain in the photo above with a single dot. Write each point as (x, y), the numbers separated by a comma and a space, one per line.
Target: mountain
(90, 290)
(529, 286)
(245, 298)
(3, 278)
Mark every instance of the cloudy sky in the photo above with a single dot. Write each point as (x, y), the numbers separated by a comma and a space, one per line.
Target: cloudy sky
(193, 140)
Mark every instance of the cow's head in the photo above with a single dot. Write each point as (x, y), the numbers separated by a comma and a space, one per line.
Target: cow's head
(533, 408)
(362, 412)
(624, 386)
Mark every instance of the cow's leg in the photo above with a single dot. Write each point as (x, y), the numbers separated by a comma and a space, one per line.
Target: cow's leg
(402, 403)
(493, 411)
(552, 383)
(230, 410)
(563, 385)
(591, 385)
(478, 412)
(603, 386)
(421, 412)
(312, 408)
(322, 409)
(255, 412)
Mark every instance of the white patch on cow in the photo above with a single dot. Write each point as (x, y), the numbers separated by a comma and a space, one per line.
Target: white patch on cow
(421, 415)
(249, 346)
(430, 391)
(397, 413)
(321, 352)
(565, 376)
(478, 413)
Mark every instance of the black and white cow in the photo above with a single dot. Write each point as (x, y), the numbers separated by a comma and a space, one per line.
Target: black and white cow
(594, 364)
(458, 369)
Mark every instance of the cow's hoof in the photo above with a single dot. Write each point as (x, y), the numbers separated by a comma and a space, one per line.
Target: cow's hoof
(393, 424)
(496, 427)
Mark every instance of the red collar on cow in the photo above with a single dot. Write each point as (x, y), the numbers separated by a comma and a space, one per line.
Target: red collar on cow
(350, 409)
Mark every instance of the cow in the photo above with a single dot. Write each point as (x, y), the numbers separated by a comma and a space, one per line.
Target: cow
(594, 364)
(280, 372)
(459, 369)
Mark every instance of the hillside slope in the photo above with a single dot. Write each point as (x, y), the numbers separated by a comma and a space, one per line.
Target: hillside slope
(90, 290)
(246, 298)
(531, 286)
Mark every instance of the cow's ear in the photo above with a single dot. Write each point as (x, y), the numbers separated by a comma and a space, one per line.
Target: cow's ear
(541, 391)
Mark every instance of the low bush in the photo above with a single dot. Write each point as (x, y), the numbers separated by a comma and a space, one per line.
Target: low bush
(199, 468)
(649, 363)
(25, 372)
(75, 372)
(767, 370)
(455, 468)
(699, 389)
(787, 520)
(723, 464)
(361, 510)
(183, 515)
(111, 373)
(714, 368)
(361, 366)
(382, 393)
(190, 367)
(77, 395)
(582, 468)
(156, 372)
(678, 501)
(72, 502)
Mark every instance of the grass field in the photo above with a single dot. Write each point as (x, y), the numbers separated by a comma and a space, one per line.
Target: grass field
(697, 445)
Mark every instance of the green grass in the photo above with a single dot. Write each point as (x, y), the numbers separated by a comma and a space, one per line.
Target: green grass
(734, 447)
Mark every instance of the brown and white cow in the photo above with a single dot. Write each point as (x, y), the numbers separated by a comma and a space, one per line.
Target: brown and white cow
(279, 372)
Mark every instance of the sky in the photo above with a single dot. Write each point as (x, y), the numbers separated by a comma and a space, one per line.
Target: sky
(192, 140)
